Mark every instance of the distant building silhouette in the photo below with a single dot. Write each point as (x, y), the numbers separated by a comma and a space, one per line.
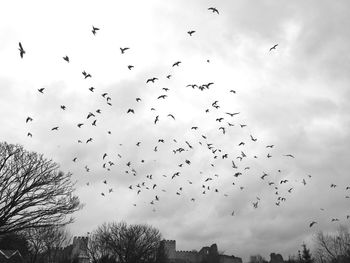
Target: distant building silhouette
(206, 254)
(76, 252)
(10, 256)
(276, 258)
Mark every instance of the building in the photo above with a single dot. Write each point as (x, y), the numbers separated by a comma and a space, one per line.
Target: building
(10, 256)
(76, 252)
(206, 254)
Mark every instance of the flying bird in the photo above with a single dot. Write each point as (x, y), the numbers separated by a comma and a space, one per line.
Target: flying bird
(213, 9)
(66, 58)
(124, 49)
(41, 90)
(274, 47)
(156, 119)
(191, 32)
(162, 96)
(94, 29)
(172, 116)
(130, 67)
(86, 75)
(177, 63)
(29, 119)
(130, 111)
(151, 80)
(21, 50)
(289, 155)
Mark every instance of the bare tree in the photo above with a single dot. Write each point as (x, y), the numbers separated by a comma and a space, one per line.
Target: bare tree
(44, 243)
(332, 248)
(33, 193)
(129, 244)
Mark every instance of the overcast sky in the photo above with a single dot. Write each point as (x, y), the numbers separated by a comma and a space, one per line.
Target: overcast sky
(295, 97)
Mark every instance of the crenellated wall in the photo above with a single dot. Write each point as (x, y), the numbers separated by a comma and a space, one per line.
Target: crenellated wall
(194, 256)
(188, 256)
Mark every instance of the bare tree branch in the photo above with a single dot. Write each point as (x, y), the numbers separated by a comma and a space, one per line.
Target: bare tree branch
(33, 193)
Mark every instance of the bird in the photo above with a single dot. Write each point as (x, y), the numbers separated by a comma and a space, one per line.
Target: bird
(168, 76)
(191, 32)
(66, 58)
(213, 9)
(130, 67)
(92, 89)
(177, 63)
(162, 96)
(289, 155)
(54, 128)
(21, 50)
(156, 119)
(232, 91)
(89, 140)
(29, 134)
(253, 139)
(63, 107)
(130, 111)
(94, 29)
(80, 124)
(274, 47)
(172, 116)
(151, 80)
(41, 90)
(86, 75)
(29, 119)
(263, 176)
(124, 49)
(75, 159)
(90, 115)
(270, 146)
(223, 130)
(232, 114)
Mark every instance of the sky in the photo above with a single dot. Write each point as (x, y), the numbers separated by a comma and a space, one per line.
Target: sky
(295, 97)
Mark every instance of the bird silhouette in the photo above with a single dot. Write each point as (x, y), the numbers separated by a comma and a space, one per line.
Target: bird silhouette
(41, 90)
(66, 58)
(191, 32)
(130, 111)
(151, 80)
(162, 96)
(289, 155)
(124, 49)
(213, 9)
(94, 30)
(86, 75)
(156, 119)
(29, 119)
(172, 116)
(21, 50)
(54, 128)
(177, 63)
(130, 67)
(252, 138)
(274, 47)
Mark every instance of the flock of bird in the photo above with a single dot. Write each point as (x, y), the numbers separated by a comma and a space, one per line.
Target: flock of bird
(280, 188)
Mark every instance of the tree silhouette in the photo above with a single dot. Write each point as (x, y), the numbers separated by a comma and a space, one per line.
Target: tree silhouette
(125, 243)
(306, 255)
(43, 243)
(33, 193)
